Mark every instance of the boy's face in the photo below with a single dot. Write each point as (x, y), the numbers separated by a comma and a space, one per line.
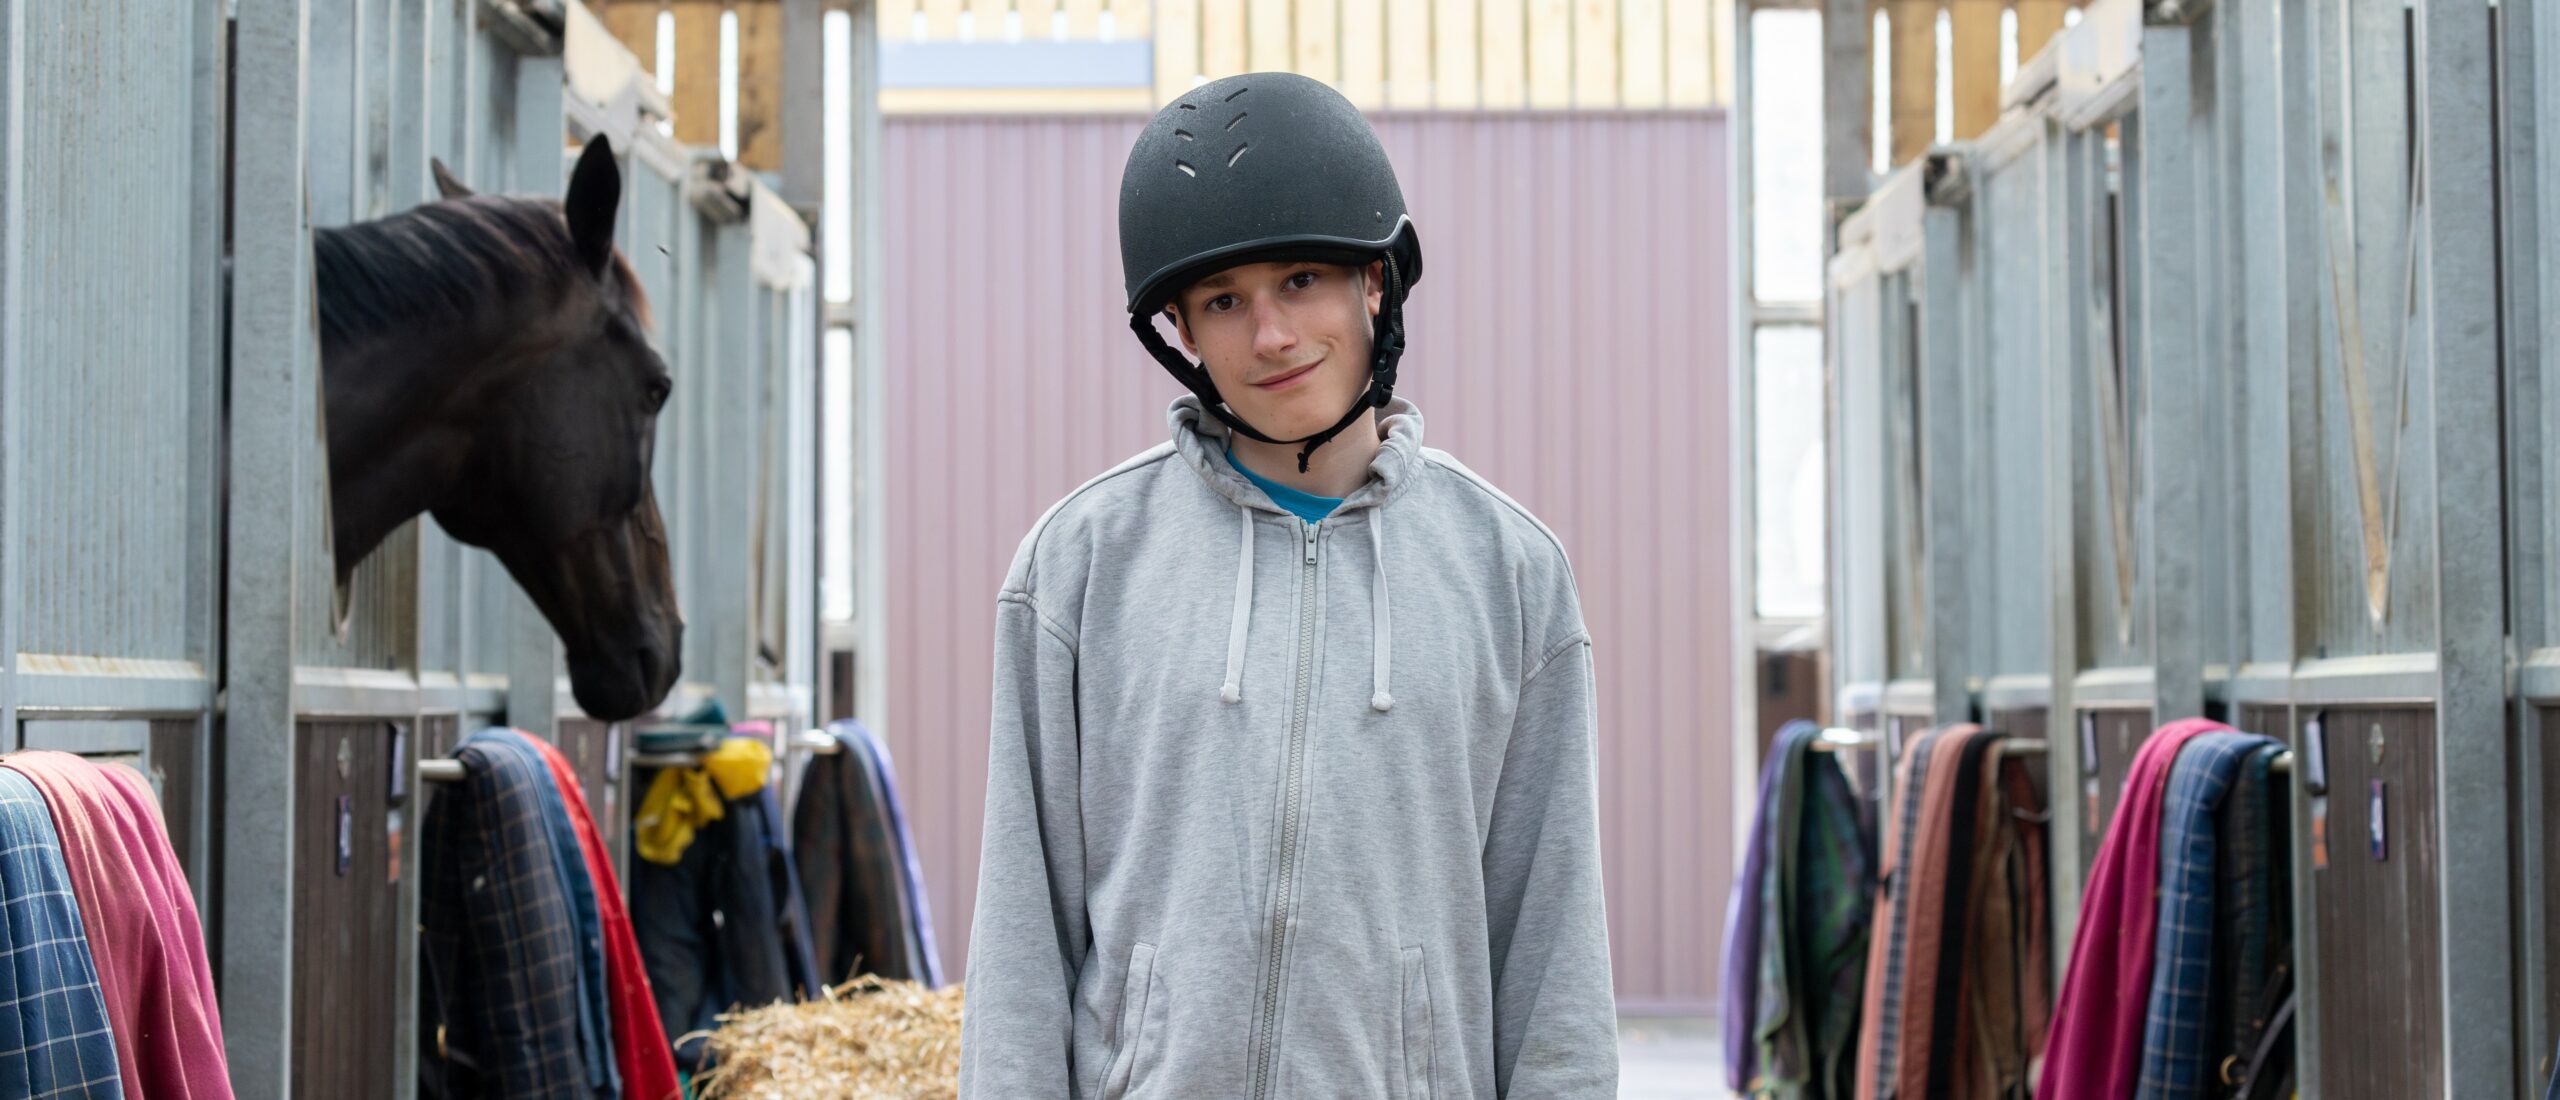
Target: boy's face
(1287, 343)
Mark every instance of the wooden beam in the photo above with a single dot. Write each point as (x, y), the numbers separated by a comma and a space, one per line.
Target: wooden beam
(1692, 65)
(1973, 51)
(1319, 52)
(1039, 18)
(1408, 53)
(1364, 53)
(986, 19)
(1914, 111)
(2038, 22)
(942, 20)
(760, 86)
(1721, 58)
(1505, 58)
(1130, 22)
(1084, 20)
(1012, 101)
(1454, 80)
(1641, 46)
(1268, 23)
(1595, 53)
(1177, 40)
(634, 23)
(1222, 38)
(696, 95)
(1551, 53)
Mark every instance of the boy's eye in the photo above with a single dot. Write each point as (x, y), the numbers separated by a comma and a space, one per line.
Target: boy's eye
(1222, 303)
(1302, 280)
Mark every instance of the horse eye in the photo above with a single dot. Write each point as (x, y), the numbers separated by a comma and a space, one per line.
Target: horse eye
(659, 389)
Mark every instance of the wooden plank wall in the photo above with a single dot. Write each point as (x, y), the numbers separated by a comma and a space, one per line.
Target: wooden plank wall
(694, 87)
(346, 927)
(1975, 36)
(1394, 54)
(2380, 929)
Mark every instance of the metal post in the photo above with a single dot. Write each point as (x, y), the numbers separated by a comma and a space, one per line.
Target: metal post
(2460, 299)
(13, 296)
(1944, 266)
(2067, 255)
(2173, 376)
(2299, 130)
(273, 367)
(871, 660)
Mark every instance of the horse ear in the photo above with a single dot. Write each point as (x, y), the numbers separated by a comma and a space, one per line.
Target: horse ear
(595, 192)
(446, 185)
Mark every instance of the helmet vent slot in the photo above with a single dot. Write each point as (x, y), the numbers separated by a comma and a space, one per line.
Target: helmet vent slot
(1234, 122)
(1187, 169)
(1238, 155)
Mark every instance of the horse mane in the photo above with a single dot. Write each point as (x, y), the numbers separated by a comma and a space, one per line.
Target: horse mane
(439, 263)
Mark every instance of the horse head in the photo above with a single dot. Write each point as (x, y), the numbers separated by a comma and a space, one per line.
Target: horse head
(488, 361)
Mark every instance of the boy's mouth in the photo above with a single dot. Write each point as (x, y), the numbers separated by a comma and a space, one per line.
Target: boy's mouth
(1290, 379)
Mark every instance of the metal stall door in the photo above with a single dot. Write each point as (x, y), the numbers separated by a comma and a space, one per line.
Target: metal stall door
(110, 391)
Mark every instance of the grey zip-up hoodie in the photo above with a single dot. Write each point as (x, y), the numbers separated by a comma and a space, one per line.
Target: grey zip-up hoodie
(1226, 857)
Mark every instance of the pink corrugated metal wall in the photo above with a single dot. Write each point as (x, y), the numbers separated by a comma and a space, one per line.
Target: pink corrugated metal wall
(1568, 342)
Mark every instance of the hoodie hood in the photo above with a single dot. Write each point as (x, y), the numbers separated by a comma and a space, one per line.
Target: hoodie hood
(1202, 440)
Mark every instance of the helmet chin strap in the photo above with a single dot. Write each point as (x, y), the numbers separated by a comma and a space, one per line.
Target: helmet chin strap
(1386, 349)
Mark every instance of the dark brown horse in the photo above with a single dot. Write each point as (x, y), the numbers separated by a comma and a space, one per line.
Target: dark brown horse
(487, 360)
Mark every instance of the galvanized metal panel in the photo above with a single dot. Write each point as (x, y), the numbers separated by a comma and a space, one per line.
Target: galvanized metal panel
(1008, 383)
(2017, 592)
(2172, 374)
(108, 372)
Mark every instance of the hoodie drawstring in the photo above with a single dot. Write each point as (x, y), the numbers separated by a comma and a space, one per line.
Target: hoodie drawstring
(1381, 637)
(1242, 614)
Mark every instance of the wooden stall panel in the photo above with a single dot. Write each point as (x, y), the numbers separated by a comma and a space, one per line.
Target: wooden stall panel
(176, 764)
(2547, 728)
(345, 920)
(590, 747)
(2115, 734)
(1790, 688)
(2026, 723)
(2380, 939)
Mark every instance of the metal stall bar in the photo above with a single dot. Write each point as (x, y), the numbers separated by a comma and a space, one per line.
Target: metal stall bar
(2067, 221)
(2452, 60)
(2173, 375)
(272, 365)
(1947, 275)
(2524, 138)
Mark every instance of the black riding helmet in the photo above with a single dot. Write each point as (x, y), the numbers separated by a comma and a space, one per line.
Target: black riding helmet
(1259, 168)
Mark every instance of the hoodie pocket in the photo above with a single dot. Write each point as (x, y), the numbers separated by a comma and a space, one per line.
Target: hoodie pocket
(1417, 1026)
(1127, 1041)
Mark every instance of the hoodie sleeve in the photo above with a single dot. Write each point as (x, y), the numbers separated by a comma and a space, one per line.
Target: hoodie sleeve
(1028, 937)
(1555, 1030)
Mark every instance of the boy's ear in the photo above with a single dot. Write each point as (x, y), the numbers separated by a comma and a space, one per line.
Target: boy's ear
(1182, 329)
(1374, 280)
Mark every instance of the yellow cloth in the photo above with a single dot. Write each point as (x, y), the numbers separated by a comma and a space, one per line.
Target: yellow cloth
(739, 766)
(683, 800)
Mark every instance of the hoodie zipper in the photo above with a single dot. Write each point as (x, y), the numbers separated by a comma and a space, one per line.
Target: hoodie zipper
(1292, 807)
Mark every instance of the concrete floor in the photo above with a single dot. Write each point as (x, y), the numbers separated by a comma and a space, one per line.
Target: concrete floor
(1670, 1058)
